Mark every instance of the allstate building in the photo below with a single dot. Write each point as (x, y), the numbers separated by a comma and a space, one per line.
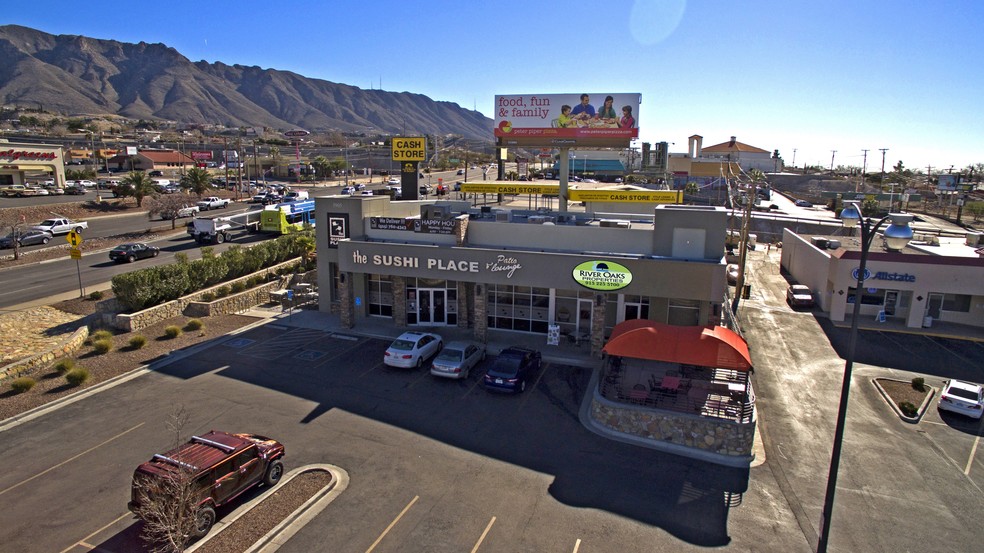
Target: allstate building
(430, 264)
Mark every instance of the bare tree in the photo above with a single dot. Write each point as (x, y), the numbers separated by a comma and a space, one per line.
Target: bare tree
(14, 225)
(167, 206)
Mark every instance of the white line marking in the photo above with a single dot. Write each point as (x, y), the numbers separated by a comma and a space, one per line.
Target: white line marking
(82, 541)
(482, 537)
(970, 460)
(392, 524)
(66, 461)
(577, 545)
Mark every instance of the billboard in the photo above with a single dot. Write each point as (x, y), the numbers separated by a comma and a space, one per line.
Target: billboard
(201, 156)
(559, 120)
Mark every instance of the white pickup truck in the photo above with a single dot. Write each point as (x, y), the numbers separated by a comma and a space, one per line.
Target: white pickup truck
(61, 225)
(212, 202)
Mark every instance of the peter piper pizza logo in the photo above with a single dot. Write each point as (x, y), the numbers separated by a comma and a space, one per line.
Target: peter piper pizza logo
(602, 275)
(505, 126)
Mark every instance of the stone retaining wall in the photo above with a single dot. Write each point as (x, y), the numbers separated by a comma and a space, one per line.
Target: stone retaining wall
(235, 303)
(129, 322)
(717, 436)
(66, 348)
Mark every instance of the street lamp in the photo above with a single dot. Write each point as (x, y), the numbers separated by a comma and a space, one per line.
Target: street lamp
(896, 235)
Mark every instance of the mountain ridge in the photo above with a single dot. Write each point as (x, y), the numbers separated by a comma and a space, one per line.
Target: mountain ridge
(75, 74)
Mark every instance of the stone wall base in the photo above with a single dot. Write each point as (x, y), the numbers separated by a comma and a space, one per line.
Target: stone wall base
(66, 348)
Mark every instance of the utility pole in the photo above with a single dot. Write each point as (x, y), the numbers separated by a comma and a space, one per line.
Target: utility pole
(743, 251)
(864, 166)
(794, 157)
(832, 154)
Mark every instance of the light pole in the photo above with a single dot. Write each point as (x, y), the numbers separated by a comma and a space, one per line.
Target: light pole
(897, 235)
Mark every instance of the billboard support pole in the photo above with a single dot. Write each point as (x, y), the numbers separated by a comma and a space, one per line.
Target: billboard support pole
(564, 175)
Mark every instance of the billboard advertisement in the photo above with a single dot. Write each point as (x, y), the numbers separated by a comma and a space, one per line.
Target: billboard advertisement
(582, 119)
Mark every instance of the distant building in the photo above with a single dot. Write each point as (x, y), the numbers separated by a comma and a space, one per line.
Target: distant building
(148, 160)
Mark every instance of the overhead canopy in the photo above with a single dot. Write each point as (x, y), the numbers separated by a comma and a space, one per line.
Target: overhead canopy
(704, 346)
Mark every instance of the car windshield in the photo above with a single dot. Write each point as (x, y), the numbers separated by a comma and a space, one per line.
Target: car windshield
(449, 354)
(404, 345)
(961, 393)
(506, 366)
(47, 222)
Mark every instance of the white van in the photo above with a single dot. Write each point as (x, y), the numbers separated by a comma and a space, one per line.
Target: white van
(296, 195)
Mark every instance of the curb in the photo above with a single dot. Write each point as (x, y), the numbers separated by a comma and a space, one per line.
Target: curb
(293, 523)
(903, 416)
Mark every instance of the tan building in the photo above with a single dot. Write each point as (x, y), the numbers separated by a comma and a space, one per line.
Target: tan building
(149, 160)
(22, 163)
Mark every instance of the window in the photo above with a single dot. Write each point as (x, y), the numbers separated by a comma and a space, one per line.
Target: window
(867, 298)
(683, 312)
(380, 294)
(959, 303)
(519, 308)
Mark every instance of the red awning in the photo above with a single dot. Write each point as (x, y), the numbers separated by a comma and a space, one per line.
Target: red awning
(704, 346)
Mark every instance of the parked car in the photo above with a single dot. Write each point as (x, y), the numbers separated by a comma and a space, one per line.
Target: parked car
(86, 183)
(803, 203)
(393, 180)
(213, 469)
(359, 186)
(798, 295)
(75, 190)
(511, 369)
(348, 190)
(733, 274)
(188, 211)
(156, 174)
(412, 348)
(133, 252)
(425, 189)
(457, 359)
(53, 189)
(28, 237)
(460, 172)
(964, 398)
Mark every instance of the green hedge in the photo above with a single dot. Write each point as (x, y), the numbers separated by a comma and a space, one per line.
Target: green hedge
(152, 286)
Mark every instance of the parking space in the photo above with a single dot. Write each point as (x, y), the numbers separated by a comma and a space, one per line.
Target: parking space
(956, 438)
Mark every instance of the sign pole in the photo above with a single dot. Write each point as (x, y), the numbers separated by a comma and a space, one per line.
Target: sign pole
(78, 270)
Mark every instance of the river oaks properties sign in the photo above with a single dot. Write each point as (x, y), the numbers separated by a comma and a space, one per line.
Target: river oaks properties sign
(602, 275)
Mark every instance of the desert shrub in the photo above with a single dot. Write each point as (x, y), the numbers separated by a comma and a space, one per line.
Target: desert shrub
(22, 384)
(138, 342)
(96, 296)
(194, 324)
(77, 376)
(223, 291)
(208, 296)
(254, 281)
(102, 346)
(64, 365)
(238, 286)
(206, 272)
(907, 408)
(919, 384)
(172, 331)
(100, 335)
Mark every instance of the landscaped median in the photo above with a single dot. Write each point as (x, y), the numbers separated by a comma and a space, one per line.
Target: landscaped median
(909, 400)
(267, 522)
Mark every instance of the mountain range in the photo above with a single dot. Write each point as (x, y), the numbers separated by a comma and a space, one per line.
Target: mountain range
(76, 75)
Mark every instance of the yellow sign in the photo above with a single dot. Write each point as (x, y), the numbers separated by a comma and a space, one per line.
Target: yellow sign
(412, 148)
(73, 238)
(628, 196)
(75, 253)
(514, 188)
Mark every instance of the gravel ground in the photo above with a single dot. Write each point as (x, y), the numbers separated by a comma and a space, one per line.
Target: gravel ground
(903, 391)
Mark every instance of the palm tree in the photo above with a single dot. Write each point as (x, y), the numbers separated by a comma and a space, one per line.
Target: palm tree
(322, 166)
(140, 184)
(197, 180)
(275, 154)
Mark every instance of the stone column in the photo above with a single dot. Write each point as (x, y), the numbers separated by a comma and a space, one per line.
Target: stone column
(347, 306)
(480, 316)
(399, 301)
(464, 314)
(598, 324)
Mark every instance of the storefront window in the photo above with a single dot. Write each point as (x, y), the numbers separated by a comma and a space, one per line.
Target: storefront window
(959, 303)
(683, 312)
(867, 298)
(380, 294)
(518, 308)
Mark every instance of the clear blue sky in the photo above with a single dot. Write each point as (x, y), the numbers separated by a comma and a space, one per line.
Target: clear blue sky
(842, 75)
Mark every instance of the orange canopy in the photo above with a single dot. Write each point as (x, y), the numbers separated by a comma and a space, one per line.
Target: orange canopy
(704, 346)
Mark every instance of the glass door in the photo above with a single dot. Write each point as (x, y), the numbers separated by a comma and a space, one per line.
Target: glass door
(431, 306)
(934, 306)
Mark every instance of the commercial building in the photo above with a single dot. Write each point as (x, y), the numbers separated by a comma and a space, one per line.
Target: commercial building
(151, 159)
(426, 263)
(20, 162)
(931, 280)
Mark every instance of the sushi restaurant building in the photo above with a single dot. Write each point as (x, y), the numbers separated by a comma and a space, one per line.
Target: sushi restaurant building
(569, 276)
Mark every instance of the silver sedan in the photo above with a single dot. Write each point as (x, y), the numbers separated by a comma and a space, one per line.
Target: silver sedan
(457, 359)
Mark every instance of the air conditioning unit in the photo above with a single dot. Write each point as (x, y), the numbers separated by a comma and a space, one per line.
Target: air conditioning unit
(833, 244)
(974, 239)
(537, 219)
(435, 211)
(820, 242)
(614, 223)
(503, 216)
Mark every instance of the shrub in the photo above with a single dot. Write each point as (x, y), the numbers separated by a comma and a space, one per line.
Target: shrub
(22, 384)
(254, 281)
(96, 296)
(238, 286)
(172, 331)
(64, 365)
(77, 376)
(208, 296)
(223, 291)
(194, 324)
(100, 335)
(907, 408)
(102, 346)
(138, 342)
(919, 384)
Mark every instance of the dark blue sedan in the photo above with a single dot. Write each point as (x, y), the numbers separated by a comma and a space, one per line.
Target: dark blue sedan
(133, 252)
(510, 371)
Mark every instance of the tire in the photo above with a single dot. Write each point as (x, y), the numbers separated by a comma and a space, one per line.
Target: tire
(219, 238)
(156, 253)
(45, 240)
(274, 472)
(204, 519)
(420, 361)
(78, 230)
(130, 259)
(522, 386)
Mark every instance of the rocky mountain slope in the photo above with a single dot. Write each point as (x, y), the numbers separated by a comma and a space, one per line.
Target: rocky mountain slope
(74, 74)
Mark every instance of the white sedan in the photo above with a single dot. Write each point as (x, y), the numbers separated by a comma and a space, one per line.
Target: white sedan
(457, 359)
(411, 349)
(963, 398)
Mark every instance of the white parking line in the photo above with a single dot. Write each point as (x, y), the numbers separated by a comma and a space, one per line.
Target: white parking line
(392, 524)
(83, 543)
(482, 537)
(577, 545)
(973, 451)
(70, 459)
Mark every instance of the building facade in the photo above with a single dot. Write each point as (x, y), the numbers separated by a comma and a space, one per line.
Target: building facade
(426, 263)
(20, 162)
